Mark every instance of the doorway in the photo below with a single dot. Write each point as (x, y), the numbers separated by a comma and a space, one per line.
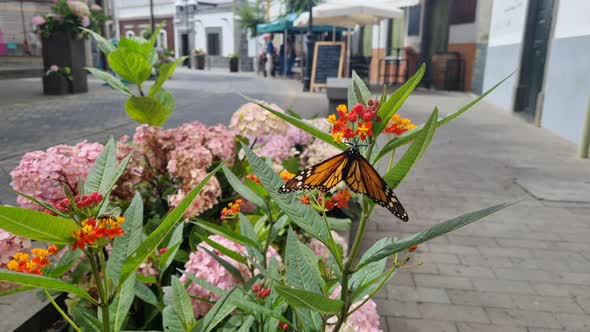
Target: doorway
(532, 66)
(185, 49)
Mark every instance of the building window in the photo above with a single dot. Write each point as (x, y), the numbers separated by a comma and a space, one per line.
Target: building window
(129, 33)
(213, 41)
(414, 20)
(162, 40)
(463, 11)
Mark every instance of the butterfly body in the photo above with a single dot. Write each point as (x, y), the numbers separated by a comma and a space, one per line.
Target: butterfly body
(358, 174)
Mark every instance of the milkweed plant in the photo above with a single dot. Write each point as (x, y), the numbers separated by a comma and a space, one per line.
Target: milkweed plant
(270, 261)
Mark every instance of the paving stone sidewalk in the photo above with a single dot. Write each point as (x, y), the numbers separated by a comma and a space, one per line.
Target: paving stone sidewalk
(526, 268)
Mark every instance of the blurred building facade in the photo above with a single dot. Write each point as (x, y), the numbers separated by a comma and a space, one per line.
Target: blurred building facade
(546, 43)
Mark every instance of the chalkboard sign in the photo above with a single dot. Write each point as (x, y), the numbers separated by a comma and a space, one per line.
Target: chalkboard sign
(328, 59)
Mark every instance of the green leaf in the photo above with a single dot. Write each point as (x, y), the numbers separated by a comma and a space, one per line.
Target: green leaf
(395, 176)
(208, 286)
(351, 98)
(225, 232)
(105, 45)
(44, 204)
(182, 305)
(365, 275)
(147, 110)
(226, 251)
(421, 237)
(396, 100)
(173, 244)
(101, 173)
(167, 225)
(339, 224)
(303, 274)
(146, 294)
(38, 281)
(37, 225)
(86, 320)
(220, 310)
(252, 308)
(132, 66)
(127, 243)
(111, 80)
(164, 73)
(301, 125)
(361, 92)
(315, 302)
(170, 320)
(248, 231)
(226, 265)
(412, 134)
(64, 264)
(302, 215)
(242, 189)
(166, 99)
(119, 308)
(16, 290)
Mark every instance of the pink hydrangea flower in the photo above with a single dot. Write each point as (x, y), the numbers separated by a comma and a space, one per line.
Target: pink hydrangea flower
(53, 68)
(251, 120)
(322, 251)
(365, 319)
(95, 8)
(79, 8)
(85, 20)
(203, 266)
(207, 197)
(43, 174)
(38, 20)
(278, 148)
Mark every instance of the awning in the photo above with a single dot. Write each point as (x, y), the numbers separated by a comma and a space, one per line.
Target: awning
(283, 23)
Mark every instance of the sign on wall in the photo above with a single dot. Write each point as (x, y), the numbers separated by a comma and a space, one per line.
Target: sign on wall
(508, 22)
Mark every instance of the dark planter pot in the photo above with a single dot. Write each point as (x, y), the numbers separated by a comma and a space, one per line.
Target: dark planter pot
(200, 61)
(63, 50)
(46, 319)
(56, 85)
(233, 65)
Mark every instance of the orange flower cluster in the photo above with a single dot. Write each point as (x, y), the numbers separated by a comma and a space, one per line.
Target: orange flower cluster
(253, 177)
(398, 125)
(356, 123)
(22, 262)
(231, 210)
(103, 227)
(286, 175)
(342, 198)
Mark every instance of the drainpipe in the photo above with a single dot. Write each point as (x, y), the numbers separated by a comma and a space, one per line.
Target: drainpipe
(585, 139)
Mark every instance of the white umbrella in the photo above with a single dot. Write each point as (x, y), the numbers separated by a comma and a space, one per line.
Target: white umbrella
(348, 13)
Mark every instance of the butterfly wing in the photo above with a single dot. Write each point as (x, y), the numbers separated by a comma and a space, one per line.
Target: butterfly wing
(322, 176)
(363, 178)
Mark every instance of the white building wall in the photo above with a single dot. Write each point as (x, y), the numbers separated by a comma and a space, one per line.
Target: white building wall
(223, 20)
(130, 9)
(567, 72)
(504, 50)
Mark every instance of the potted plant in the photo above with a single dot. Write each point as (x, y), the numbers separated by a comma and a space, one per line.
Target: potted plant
(233, 63)
(57, 80)
(62, 32)
(200, 58)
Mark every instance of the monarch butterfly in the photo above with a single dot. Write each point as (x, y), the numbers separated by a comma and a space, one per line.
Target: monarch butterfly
(358, 174)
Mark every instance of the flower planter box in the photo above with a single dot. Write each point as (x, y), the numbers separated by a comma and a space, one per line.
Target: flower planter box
(233, 65)
(63, 50)
(55, 84)
(46, 319)
(200, 61)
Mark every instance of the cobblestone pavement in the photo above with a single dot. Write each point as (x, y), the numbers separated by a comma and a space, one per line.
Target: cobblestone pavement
(526, 268)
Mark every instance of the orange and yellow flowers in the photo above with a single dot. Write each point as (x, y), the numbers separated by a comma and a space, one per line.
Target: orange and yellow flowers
(34, 263)
(231, 210)
(81, 201)
(398, 125)
(356, 123)
(286, 175)
(305, 200)
(103, 227)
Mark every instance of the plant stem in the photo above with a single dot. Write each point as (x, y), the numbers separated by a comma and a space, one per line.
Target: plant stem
(391, 160)
(63, 314)
(104, 300)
